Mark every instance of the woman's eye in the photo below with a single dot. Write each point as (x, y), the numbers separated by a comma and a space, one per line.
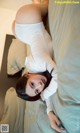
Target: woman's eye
(32, 84)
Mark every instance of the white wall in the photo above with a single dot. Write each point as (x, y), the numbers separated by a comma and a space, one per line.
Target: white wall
(13, 4)
(6, 18)
(8, 10)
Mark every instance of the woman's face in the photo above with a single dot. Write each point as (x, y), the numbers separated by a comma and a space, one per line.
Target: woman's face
(35, 84)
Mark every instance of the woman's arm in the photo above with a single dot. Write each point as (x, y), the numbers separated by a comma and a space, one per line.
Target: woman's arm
(55, 123)
(52, 88)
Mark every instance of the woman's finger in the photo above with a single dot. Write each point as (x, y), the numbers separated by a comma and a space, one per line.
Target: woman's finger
(57, 121)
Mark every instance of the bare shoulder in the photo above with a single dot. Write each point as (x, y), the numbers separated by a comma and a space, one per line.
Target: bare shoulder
(29, 13)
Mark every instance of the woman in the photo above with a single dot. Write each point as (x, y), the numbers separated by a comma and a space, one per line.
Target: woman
(29, 28)
(41, 79)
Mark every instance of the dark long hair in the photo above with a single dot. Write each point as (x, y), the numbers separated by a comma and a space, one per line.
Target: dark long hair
(21, 85)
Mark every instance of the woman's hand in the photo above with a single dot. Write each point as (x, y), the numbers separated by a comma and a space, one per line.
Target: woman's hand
(55, 122)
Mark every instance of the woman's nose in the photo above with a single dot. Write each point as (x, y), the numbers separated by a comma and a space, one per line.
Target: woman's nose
(38, 86)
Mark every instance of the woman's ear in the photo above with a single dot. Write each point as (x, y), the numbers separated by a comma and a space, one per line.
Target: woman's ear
(26, 75)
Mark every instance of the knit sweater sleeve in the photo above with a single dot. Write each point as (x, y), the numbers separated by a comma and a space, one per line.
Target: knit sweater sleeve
(51, 89)
(48, 104)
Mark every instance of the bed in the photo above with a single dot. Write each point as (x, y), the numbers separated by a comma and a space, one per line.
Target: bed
(64, 24)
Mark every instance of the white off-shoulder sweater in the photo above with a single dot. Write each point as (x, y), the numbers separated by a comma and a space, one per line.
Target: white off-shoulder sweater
(40, 56)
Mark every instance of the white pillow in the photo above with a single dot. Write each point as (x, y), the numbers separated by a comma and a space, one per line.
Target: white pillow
(16, 56)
